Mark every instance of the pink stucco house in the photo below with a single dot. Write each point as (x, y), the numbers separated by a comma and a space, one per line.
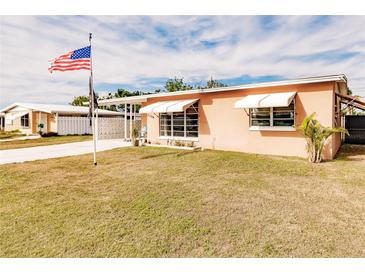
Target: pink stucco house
(253, 118)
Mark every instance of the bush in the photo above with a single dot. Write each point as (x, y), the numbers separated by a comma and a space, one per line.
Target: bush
(184, 143)
(49, 134)
(316, 135)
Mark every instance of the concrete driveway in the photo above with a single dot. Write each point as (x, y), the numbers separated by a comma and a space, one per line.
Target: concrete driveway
(55, 151)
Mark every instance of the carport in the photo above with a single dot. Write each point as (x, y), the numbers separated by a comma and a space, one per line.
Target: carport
(355, 124)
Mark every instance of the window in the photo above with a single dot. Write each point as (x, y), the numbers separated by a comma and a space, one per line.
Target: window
(165, 124)
(24, 120)
(283, 116)
(260, 116)
(273, 117)
(180, 124)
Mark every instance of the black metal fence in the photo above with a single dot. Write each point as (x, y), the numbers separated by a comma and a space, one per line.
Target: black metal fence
(355, 124)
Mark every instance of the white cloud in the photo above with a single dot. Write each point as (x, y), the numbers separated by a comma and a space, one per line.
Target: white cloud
(131, 50)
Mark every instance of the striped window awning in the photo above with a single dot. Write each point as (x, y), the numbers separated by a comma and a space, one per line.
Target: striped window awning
(280, 99)
(168, 106)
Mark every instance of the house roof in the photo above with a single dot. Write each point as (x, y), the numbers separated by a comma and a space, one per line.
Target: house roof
(143, 98)
(62, 109)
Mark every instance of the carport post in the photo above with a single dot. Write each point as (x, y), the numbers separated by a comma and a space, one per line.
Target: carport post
(130, 121)
(97, 125)
(125, 122)
(57, 122)
(134, 113)
(39, 120)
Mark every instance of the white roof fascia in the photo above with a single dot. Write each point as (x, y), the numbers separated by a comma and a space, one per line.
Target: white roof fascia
(62, 109)
(24, 106)
(143, 98)
(123, 100)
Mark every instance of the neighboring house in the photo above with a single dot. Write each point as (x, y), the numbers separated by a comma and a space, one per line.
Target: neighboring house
(26, 117)
(253, 118)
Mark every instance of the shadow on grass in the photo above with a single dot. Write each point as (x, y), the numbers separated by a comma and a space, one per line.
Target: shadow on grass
(177, 154)
(187, 152)
(351, 153)
(158, 155)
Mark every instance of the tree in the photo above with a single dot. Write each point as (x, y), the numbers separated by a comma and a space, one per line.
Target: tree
(349, 91)
(79, 100)
(176, 84)
(214, 84)
(316, 136)
(121, 92)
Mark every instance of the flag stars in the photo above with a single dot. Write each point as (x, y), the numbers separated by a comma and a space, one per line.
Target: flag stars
(81, 53)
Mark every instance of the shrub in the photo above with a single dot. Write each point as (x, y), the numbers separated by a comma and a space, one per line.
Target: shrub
(49, 134)
(135, 135)
(316, 136)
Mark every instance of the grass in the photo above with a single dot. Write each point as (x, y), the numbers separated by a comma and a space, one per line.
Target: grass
(10, 134)
(158, 202)
(54, 140)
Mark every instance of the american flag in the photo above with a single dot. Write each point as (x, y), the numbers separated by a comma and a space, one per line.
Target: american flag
(74, 60)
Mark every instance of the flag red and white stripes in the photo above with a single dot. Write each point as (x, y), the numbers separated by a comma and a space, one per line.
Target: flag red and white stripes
(73, 60)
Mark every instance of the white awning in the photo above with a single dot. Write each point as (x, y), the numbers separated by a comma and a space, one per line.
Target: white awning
(168, 106)
(281, 99)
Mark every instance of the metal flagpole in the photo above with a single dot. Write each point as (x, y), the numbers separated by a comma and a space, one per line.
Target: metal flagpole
(92, 102)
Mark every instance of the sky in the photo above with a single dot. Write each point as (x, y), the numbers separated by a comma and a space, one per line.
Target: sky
(142, 52)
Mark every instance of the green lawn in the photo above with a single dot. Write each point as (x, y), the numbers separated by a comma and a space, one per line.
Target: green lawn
(43, 141)
(157, 202)
(10, 134)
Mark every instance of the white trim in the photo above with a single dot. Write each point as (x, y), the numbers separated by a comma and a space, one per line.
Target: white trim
(308, 80)
(266, 128)
(61, 109)
(192, 139)
(130, 121)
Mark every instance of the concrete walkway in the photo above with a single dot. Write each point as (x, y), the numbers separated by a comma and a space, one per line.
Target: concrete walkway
(29, 137)
(55, 151)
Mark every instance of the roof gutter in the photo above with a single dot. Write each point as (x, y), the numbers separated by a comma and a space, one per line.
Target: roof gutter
(143, 98)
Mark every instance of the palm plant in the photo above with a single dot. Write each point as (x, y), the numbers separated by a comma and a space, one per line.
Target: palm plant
(135, 135)
(316, 136)
(40, 127)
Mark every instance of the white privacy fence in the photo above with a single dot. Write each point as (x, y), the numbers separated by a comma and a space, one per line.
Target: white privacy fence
(108, 127)
(73, 125)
